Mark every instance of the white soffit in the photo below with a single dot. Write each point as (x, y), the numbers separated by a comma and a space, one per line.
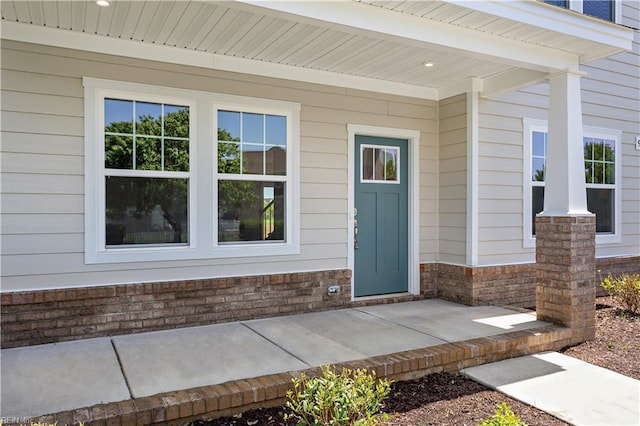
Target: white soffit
(377, 46)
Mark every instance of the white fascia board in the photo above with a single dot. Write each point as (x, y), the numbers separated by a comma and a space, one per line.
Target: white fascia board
(377, 22)
(135, 49)
(556, 19)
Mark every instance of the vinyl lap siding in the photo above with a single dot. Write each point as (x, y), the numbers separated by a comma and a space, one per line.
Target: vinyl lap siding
(453, 179)
(43, 166)
(500, 165)
(610, 99)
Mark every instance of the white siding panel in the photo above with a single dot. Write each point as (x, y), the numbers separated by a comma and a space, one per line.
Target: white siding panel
(42, 104)
(41, 144)
(42, 223)
(41, 123)
(42, 83)
(42, 164)
(42, 203)
(42, 243)
(19, 183)
(452, 178)
(323, 205)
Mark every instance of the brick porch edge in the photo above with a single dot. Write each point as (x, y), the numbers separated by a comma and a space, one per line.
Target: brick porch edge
(207, 402)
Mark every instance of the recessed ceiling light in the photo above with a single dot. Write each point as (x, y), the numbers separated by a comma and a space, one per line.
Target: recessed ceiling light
(103, 3)
(428, 64)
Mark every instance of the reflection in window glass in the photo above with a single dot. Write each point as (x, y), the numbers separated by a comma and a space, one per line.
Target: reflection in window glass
(539, 156)
(276, 130)
(118, 116)
(601, 203)
(260, 143)
(148, 118)
(599, 161)
(379, 164)
(252, 128)
(252, 158)
(599, 169)
(602, 9)
(146, 211)
(537, 204)
(228, 126)
(141, 144)
(251, 211)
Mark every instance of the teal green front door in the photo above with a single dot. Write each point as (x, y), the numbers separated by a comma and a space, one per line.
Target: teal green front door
(381, 222)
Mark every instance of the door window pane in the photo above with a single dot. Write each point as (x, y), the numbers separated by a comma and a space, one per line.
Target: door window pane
(251, 211)
(379, 164)
(146, 211)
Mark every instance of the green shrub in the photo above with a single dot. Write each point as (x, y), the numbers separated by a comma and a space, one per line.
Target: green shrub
(625, 290)
(503, 416)
(349, 398)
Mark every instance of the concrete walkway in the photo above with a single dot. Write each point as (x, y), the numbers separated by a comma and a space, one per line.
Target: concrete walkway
(46, 379)
(572, 390)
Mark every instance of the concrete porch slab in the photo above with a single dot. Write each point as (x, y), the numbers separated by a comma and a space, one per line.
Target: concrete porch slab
(339, 336)
(170, 360)
(452, 322)
(62, 376)
(570, 389)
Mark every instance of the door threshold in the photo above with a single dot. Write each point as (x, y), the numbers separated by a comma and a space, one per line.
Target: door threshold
(382, 296)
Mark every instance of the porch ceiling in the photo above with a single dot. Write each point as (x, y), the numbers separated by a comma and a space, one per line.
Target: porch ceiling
(366, 44)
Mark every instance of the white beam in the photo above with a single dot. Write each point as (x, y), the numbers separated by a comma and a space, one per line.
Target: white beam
(359, 18)
(511, 80)
(556, 19)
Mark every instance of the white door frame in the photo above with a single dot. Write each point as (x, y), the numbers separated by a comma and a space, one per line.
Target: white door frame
(413, 136)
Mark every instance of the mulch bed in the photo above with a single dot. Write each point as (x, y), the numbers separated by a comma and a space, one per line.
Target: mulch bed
(449, 399)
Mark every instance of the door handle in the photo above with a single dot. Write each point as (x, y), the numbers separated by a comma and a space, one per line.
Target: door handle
(355, 234)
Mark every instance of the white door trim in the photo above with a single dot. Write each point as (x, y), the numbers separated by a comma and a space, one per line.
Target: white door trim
(413, 136)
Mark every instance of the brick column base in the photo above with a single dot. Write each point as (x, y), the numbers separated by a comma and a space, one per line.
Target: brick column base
(566, 273)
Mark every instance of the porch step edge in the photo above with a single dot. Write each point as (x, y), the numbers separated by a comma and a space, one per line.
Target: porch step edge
(233, 397)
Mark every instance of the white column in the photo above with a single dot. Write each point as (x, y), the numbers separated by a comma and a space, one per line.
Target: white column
(565, 190)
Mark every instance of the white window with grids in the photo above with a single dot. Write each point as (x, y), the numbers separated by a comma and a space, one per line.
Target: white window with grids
(602, 176)
(175, 174)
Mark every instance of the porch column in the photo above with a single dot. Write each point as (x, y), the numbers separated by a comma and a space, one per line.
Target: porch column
(565, 230)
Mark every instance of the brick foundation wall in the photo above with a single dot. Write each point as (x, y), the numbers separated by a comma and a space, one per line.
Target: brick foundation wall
(512, 285)
(37, 317)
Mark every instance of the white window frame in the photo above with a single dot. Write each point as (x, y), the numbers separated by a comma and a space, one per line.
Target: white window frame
(202, 174)
(532, 125)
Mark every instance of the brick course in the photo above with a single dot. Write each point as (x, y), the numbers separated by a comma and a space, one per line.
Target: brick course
(566, 273)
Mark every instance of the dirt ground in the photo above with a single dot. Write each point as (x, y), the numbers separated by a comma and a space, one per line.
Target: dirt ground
(450, 399)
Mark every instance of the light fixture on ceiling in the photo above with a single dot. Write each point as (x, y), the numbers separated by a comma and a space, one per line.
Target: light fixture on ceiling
(103, 3)
(429, 64)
